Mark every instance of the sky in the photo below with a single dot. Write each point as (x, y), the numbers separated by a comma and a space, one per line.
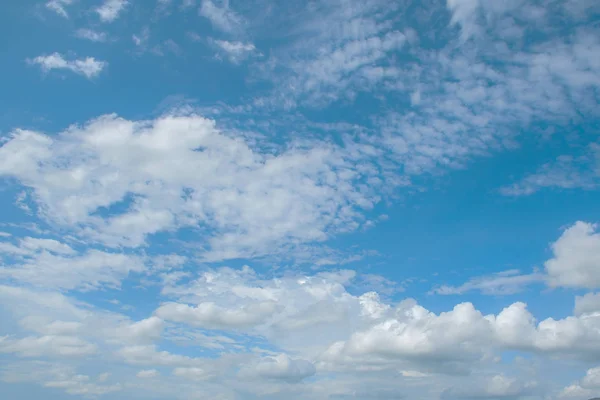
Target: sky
(300, 199)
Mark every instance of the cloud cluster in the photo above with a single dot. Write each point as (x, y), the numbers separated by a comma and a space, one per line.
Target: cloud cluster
(116, 181)
(88, 67)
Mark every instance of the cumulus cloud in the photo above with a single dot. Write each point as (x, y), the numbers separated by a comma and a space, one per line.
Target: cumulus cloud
(88, 67)
(588, 386)
(576, 261)
(587, 304)
(111, 9)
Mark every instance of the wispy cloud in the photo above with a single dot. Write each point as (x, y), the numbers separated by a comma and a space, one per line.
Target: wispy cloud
(502, 283)
(91, 35)
(88, 67)
(60, 6)
(221, 16)
(234, 51)
(566, 172)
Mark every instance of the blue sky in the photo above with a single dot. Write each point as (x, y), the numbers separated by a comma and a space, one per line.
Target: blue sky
(332, 199)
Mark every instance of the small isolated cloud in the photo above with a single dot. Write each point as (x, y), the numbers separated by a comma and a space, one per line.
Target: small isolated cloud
(141, 38)
(234, 51)
(222, 17)
(91, 35)
(88, 67)
(59, 6)
(111, 9)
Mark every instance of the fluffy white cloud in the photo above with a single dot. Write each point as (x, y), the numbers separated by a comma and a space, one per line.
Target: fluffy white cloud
(88, 67)
(111, 9)
(587, 304)
(576, 261)
(588, 386)
(182, 171)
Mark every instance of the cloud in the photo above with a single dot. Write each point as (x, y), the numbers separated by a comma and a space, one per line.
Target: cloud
(91, 35)
(88, 67)
(495, 387)
(147, 373)
(281, 367)
(59, 6)
(51, 264)
(58, 376)
(209, 315)
(576, 261)
(111, 9)
(587, 304)
(235, 51)
(221, 15)
(502, 283)
(68, 346)
(302, 193)
(587, 387)
(566, 172)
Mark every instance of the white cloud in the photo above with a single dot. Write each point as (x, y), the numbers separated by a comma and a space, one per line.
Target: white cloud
(566, 172)
(62, 268)
(91, 35)
(235, 51)
(111, 9)
(495, 387)
(209, 315)
(576, 261)
(281, 367)
(88, 67)
(507, 282)
(588, 386)
(221, 15)
(59, 6)
(58, 376)
(587, 304)
(249, 200)
(147, 373)
(67, 346)
(193, 373)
